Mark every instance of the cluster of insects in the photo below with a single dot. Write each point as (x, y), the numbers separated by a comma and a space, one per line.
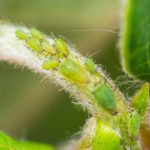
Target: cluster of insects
(57, 56)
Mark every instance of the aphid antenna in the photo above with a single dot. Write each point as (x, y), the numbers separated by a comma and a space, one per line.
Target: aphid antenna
(96, 52)
(52, 35)
(44, 78)
(22, 68)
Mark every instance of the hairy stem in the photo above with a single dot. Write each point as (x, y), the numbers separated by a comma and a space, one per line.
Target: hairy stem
(13, 50)
(84, 80)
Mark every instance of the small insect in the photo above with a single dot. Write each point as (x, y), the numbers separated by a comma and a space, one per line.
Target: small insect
(48, 47)
(73, 71)
(105, 97)
(21, 34)
(34, 44)
(61, 46)
(90, 65)
(36, 34)
(50, 64)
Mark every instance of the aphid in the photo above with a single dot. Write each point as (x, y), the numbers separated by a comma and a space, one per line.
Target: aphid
(50, 64)
(48, 47)
(21, 34)
(36, 33)
(60, 55)
(43, 53)
(105, 97)
(61, 46)
(90, 65)
(34, 44)
(106, 138)
(73, 71)
(134, 122)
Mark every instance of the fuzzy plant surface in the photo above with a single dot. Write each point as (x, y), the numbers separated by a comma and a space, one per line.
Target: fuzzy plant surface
(115, 121)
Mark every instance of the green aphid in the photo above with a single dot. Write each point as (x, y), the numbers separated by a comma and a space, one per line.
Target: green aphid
(50, 64)
(34, 44)
(73, 71)
(105, 97)
(59, 55)
(90, 65)
(106, 138)
(44, 53)
(61, 46)
(134, 122)
(36, 34)
(48, 47)
(21, 34)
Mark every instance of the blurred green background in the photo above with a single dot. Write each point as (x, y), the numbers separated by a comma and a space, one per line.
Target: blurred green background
(37, 110)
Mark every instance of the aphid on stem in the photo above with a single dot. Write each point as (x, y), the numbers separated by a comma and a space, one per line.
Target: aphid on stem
(90, 65)
(105, 97)
(36, 34)
(61, 46)
(48, 47)
(73, 71)
(51, 64)
(34, 44)
(21, 34)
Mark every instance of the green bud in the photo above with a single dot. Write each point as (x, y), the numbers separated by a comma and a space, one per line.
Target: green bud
(134, 122)
(141, 100)
(106, 138)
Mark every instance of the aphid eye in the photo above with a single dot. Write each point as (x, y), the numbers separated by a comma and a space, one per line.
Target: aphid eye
(50, 64)
(90, 65)
(21, 34)
(73, 71)
(34, 44)
(61, 46)
(48, 47)
(105, 97)
(36, 34)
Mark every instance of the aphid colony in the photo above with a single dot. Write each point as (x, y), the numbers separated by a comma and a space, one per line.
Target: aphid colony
(57, 56)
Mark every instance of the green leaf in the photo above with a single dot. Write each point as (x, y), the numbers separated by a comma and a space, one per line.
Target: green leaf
(141, 100)
(134, 122)
(7, 143)
(135, 41)
(106, 138)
